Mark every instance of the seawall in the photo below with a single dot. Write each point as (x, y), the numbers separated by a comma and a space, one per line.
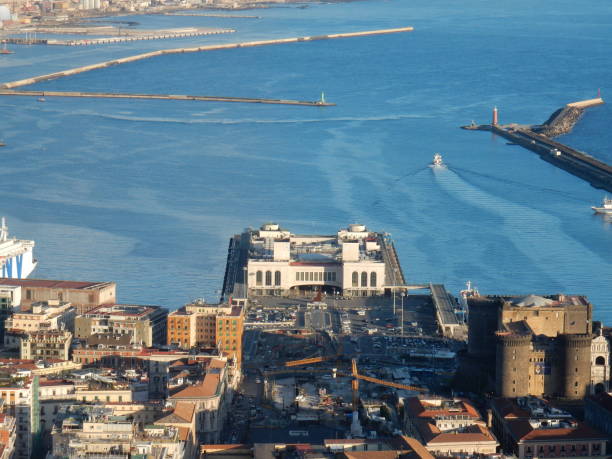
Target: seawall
(137, 57)
(105, 95)
(539, 140)
(563, 120)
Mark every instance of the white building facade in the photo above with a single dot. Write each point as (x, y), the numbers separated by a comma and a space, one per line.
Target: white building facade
(600, 364)
(353, 262)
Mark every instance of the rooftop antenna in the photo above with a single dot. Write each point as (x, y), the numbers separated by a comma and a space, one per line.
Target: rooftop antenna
(3, 231)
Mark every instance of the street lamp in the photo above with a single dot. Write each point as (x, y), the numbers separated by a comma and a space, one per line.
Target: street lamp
(403, 294)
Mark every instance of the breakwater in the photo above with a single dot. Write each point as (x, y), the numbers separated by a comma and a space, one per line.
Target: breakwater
(539, 140)
(104, 95)
(121, 37)
(563, 120)
(214, 15)
(137, 57)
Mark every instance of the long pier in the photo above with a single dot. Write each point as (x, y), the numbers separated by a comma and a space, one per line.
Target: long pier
(105, 95)
(138, 57)
(535, 138)
(213, 15)
(127, 37)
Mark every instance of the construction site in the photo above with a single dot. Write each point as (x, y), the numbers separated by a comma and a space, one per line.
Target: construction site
(318, 371)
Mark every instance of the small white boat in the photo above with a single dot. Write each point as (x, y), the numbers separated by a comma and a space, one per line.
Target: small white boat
(606, 207)
(437, 161)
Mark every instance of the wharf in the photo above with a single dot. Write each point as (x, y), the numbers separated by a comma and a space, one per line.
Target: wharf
(445, 315)
(137, 57)
(104, 95)
(214, 15)
(126, 37)
(539, 139)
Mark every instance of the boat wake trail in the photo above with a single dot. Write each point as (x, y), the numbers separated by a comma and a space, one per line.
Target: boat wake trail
(539, 236)
(522, 185)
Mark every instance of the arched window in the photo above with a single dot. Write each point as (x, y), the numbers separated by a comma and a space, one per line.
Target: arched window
(277, 278)
(600, 360)
(373, 279)
(268, 277)
(355, 279)
(259, 278)
(364, 279)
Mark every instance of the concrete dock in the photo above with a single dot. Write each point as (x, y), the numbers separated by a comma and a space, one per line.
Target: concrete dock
(104, 95)
(137, 57)
(538, 139)
(121, 37)
(213, 15)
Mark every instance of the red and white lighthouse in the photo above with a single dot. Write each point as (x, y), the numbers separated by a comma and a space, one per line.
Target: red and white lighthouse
(494, 123)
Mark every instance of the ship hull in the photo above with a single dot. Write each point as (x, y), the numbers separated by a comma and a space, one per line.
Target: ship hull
(18, 266)
(602, 210)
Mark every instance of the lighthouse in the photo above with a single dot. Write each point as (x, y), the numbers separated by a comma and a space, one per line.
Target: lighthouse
(494, 123)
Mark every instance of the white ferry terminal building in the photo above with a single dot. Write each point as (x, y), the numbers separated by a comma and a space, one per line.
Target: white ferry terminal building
(274, 261)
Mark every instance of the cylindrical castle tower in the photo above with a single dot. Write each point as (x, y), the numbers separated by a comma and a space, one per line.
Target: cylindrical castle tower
(576, 361)
(512, 364)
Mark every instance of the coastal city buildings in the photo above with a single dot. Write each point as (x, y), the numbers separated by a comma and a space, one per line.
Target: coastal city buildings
(274, 261)
(49, 315)
(18, 404)
(208, 326)
(145, 325)
(538, 345)
(82, 295)
(46, 344)
(530, 427)
(350, 374)
(598, 413)
(211, 398)
(8, 435)
(448, 426)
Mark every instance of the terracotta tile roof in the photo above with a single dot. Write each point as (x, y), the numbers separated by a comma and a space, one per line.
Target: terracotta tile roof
(183, 433)
(371, 454)
(507, 409)
(418, 450)
(55, 382)
(469, 435)
(208, 388)
(521, 430)
(217, 363)
(185, 410)
(422, 409)
(343, 441)
(43, 283)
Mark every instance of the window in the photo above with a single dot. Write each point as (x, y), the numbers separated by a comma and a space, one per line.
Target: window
(600, 360)
(364, 279)
(268, 277)
(258, 278)
(355, 279)
(277, 278)
(333, 277)
(372, 279)
(297, 276)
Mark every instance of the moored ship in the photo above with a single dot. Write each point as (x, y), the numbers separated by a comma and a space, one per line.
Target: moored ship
(606, 207)
(16, 257)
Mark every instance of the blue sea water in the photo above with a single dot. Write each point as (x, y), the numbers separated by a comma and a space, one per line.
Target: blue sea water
(147, 193)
